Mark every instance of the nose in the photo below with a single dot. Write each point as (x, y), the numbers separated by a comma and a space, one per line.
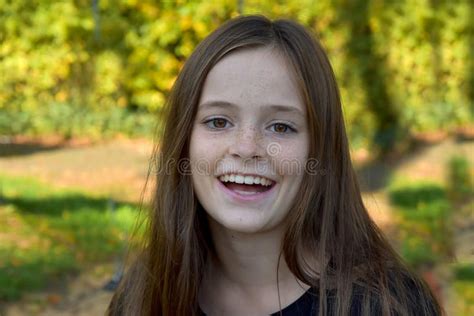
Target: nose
(247, 144)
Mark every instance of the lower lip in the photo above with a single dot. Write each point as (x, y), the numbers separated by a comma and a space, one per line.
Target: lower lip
(246, 198)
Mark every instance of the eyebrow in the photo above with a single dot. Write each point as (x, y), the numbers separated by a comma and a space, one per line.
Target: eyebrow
(275, 107)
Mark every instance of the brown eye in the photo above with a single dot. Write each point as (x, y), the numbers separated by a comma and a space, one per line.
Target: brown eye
(282, 128)
(216, 123)
(219, 123)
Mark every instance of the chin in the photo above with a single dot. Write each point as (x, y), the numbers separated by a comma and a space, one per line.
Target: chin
(240, 221)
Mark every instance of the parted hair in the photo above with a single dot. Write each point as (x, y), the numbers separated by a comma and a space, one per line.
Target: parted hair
(327, 223)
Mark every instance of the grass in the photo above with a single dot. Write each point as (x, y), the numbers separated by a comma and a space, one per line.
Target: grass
(47, 233)
(424, 215)
(464, 288)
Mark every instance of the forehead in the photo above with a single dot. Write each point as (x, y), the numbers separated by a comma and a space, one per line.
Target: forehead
(251, 77)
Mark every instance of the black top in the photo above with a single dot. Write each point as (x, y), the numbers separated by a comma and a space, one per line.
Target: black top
(308, 304)
(304, 305)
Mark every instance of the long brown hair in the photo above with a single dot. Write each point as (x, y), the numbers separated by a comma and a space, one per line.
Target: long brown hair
(328, 219)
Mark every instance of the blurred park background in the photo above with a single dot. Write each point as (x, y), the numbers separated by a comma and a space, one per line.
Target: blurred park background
(82, 85)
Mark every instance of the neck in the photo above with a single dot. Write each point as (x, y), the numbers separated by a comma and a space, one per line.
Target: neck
(249, 261)
(242, 276)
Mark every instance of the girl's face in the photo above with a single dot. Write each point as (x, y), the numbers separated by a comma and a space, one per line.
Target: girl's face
(250, 129)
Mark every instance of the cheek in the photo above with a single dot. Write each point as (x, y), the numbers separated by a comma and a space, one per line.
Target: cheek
(296, 150)
(204, 150)
(292, 158)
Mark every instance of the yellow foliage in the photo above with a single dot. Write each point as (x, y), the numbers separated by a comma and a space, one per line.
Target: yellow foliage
(61, 96)
(132, 53)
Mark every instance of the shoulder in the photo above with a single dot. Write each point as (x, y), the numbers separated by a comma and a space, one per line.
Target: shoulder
(405, 293)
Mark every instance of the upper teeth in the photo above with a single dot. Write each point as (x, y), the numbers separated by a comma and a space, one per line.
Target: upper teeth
(237, 178)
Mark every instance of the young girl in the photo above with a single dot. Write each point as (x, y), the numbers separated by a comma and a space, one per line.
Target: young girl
(257, 209)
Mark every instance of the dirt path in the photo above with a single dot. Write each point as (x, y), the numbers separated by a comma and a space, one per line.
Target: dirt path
(82, 295)
(118, 169)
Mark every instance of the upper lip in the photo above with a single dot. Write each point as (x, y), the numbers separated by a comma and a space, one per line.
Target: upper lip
(247, 174)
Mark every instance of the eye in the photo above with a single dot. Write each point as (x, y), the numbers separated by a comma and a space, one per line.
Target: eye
(216, 123)
(282, 128)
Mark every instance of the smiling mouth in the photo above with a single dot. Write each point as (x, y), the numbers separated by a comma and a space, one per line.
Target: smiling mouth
(246, 185)
(247, 188)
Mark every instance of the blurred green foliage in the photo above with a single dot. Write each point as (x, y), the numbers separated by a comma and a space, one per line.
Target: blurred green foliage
(403, 66)
(464, 288)
(460, 186)
(425, 220)
(434, 221)
(465, 272)
(75, 121)
(48, 233)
